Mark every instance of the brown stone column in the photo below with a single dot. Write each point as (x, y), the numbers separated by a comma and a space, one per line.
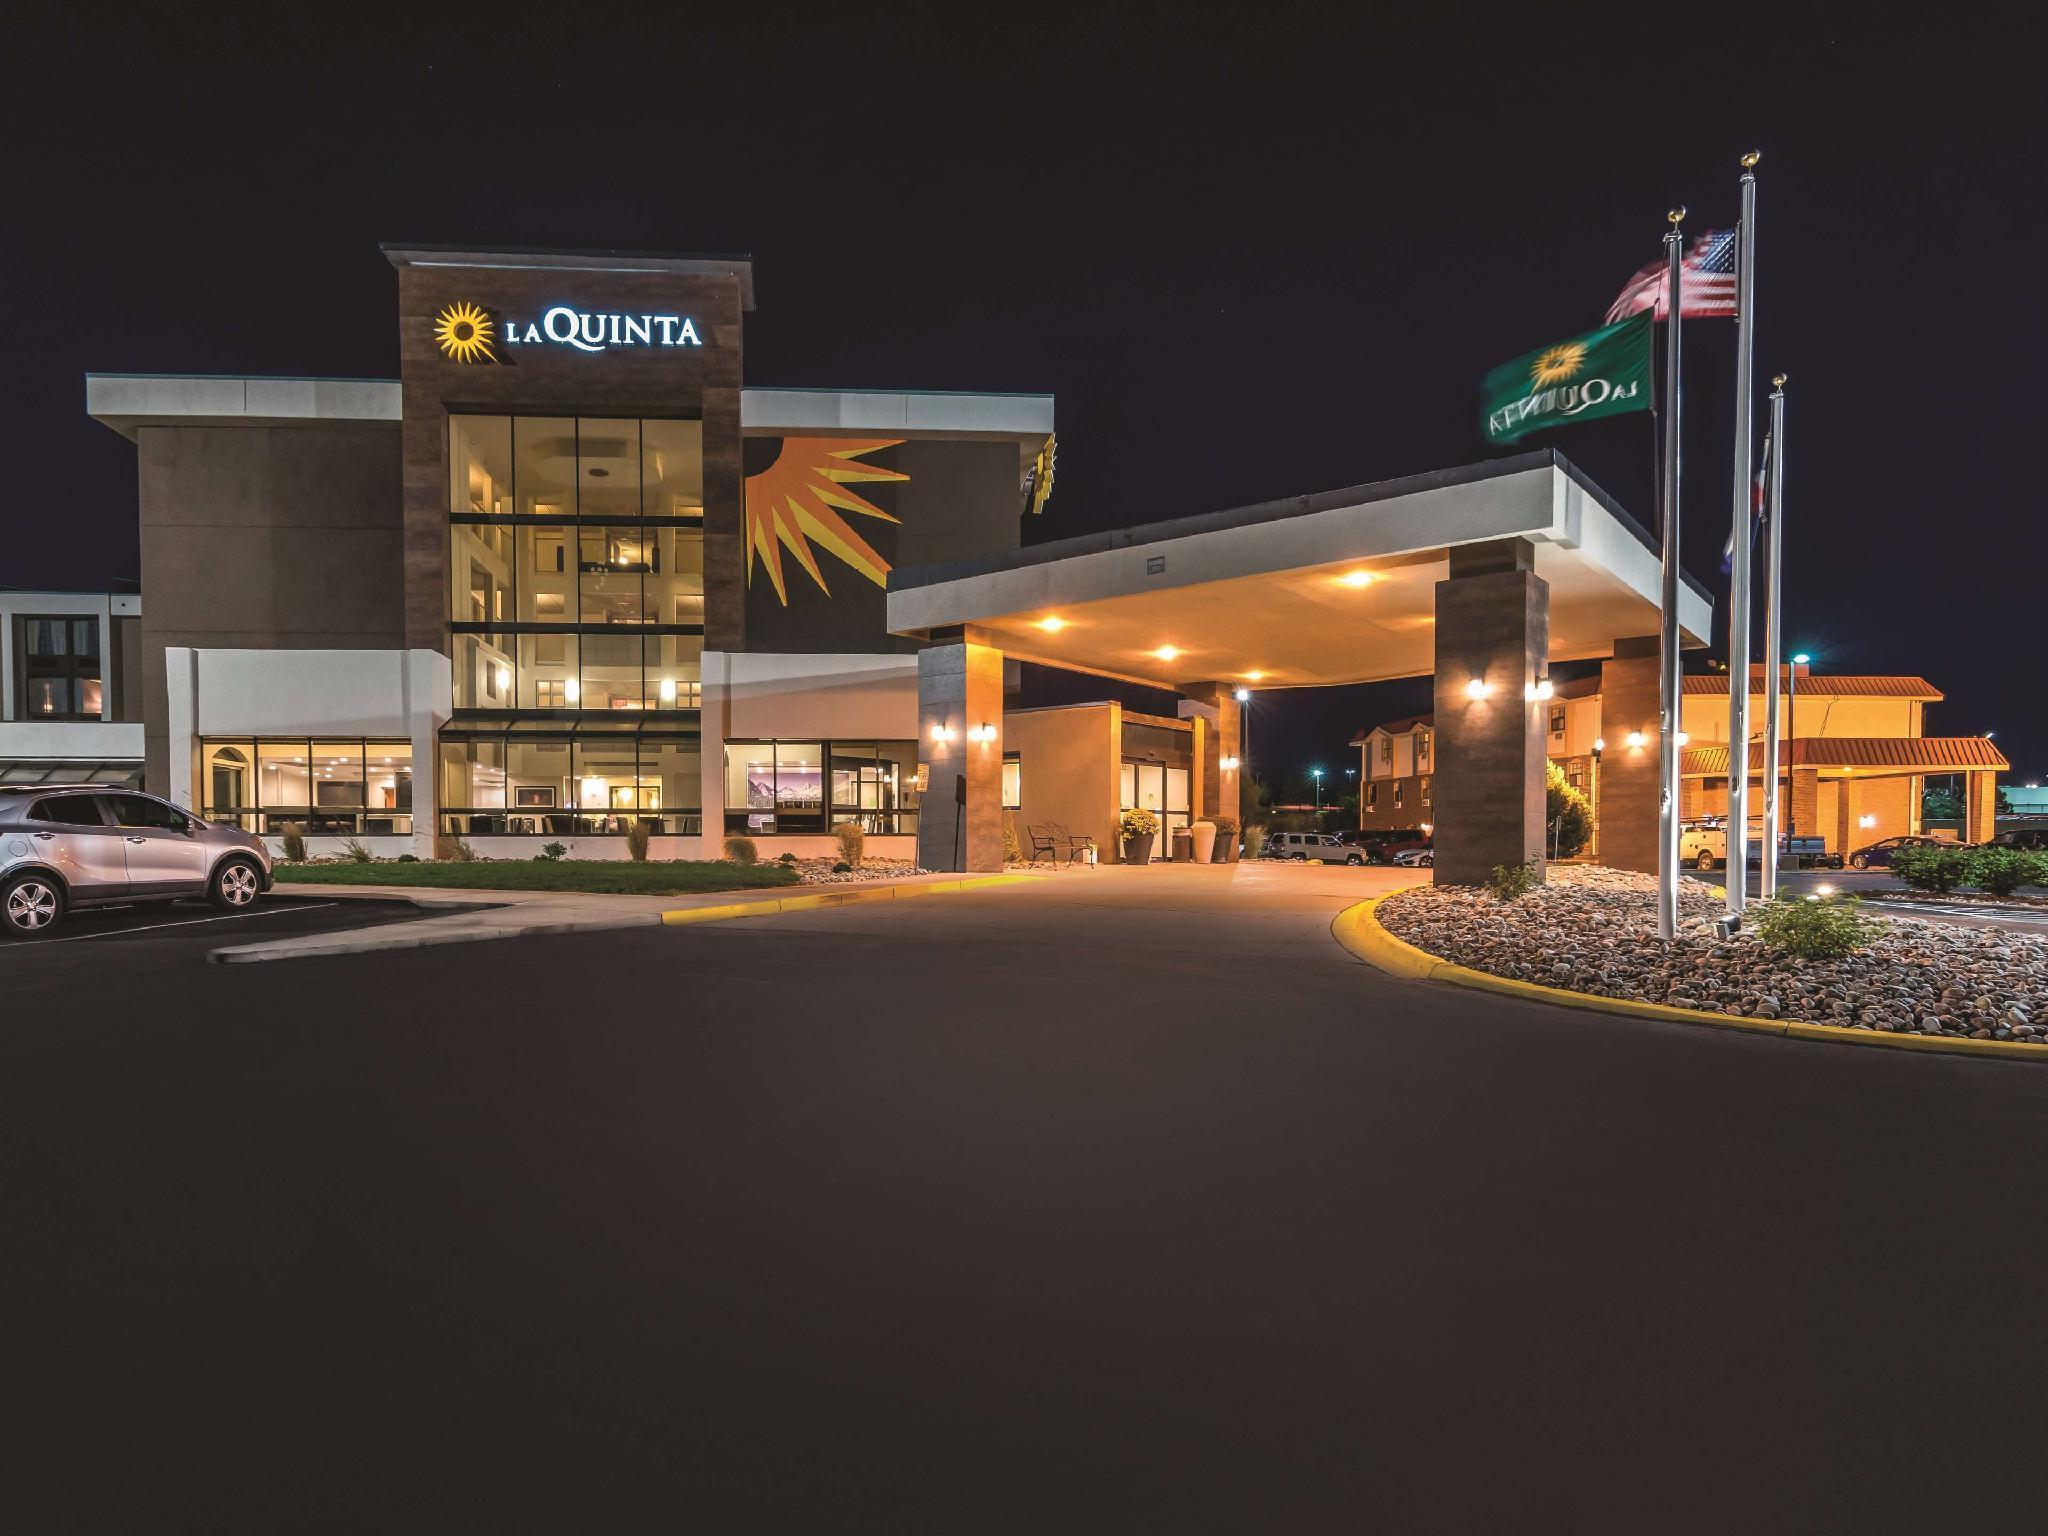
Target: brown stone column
(1216, 787)
(959, 696)
(1629, 789)
(1493, 626)
(1802, 804)
(1980, 807)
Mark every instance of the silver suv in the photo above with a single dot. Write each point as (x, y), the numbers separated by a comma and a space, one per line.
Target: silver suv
(85, 846)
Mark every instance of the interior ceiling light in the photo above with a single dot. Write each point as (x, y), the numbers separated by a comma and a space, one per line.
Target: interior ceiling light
(1168, 653)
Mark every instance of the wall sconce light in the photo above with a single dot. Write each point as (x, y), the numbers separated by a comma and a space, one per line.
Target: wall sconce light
(944, 732)
(1477, 688)
(1227, 764)
(1635, 738)
(1599, 745)
(1866, 821)
(981, 732)
(1538, 690)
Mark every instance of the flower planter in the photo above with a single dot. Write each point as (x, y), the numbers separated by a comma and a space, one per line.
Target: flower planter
(1138, 850)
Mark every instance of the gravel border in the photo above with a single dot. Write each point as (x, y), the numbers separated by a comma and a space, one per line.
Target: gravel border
(1594, 930)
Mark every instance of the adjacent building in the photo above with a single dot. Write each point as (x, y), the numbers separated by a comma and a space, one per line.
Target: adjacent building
(1852, 767)
(70, 688)
(566, 573)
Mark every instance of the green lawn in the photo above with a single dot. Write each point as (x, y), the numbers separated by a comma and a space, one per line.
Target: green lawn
(609, 877)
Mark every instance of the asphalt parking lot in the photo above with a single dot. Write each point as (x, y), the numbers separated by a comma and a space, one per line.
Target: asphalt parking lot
(187, 932)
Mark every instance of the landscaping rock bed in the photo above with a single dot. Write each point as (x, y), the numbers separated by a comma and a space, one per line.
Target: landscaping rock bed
(1595, 930)
(820, 872)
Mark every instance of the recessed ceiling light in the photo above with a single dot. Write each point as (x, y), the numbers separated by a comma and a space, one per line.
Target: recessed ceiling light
(1167, 652)
(1255, 677)
(1052, 625)
(1356, 578)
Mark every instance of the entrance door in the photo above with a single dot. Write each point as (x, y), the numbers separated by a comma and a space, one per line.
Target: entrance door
(1162, 790)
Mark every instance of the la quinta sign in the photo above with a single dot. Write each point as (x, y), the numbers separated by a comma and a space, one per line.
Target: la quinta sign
(468, 333)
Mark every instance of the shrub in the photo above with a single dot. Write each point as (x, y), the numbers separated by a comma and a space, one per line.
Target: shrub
(1816, 929)
(1254, 839)
(637, 834)
(551, 853)
(787, 858)
(450, 849)
(1137, 822)
(1013, 850)
(742, 850)
(1512, 880)
(408, 858)
(1569, 819)
(2001, 871)
(1226, 830)
(353, 852)
(842, 868)
(853, 843)
(294, 838)
(1932, 867)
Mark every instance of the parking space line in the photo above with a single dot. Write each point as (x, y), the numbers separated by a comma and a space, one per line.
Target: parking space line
(192, 922)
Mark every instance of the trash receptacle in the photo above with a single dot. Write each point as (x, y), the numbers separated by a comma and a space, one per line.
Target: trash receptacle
(1183, 845)
(1205, 841)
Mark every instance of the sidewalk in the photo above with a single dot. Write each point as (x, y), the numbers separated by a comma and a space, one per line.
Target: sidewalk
(528, 914)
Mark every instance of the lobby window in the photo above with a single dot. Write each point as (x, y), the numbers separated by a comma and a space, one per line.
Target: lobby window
(355, 787)
(593, 781)
(585, 533)
(60, 669)
(774, 787)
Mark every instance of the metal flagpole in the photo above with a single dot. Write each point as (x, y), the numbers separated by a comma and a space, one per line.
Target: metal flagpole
(1738, 588)
(1667, 644)
(1774, 630)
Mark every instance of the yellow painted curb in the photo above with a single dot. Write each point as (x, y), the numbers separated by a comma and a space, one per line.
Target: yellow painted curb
(1359, 930)
(847, 896)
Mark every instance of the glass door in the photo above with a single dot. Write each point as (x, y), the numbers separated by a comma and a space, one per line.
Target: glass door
(1162, 790)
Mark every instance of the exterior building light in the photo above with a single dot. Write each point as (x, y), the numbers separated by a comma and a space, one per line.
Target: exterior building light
(1357, 578)
(1801, 659)
(1477, 688)
(1052, 624)
(1681, 738)
(981, 732)
(1227, 764)
(944, 732)
(1599, 743)
(1168, 653)
(1635, 738)
(1538, 690)
(1866, 821)
(1255, 677)
(1243, 695)
(1823, 890)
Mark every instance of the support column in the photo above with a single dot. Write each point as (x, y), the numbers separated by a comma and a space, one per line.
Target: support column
(1492, 626)
(960, 749)
(1214, 705)
(1802, 803)
(1629, 704)
(1980, 807)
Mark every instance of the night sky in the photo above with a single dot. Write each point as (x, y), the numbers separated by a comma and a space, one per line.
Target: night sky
(1255, 252)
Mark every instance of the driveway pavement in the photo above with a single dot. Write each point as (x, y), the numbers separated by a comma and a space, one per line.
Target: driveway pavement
(1121, 1202)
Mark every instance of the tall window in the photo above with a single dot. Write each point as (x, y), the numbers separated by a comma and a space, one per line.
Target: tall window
(60, 669)
(576, 562)
(350, 788)
(595, 780)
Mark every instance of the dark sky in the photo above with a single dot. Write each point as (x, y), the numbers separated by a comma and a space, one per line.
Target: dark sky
(1255, 251)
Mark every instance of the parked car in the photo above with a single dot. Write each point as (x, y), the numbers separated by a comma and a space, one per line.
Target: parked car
(1704, 845)
(1417, 858)
(1878, 855)
(79, 846)
(1312, 847)
(2024, 839)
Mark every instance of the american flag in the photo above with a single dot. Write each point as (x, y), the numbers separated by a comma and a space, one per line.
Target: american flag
(1706, 283)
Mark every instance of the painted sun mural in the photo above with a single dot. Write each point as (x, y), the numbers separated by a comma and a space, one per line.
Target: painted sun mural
(797, 501)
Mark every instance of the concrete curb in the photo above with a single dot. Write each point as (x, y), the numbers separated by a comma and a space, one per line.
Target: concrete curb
(362, 941)
(852, 895)
(1359, 930)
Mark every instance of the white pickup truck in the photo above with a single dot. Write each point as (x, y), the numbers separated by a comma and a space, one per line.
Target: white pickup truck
(1704, 845)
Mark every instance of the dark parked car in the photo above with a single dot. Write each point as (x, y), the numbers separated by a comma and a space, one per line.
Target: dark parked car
(1878, 855)
(2024, 839)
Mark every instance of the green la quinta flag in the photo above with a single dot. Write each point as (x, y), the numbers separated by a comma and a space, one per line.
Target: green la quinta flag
(1601, 373)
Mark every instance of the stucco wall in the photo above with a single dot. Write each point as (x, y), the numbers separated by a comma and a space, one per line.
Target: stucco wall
(1068, 761)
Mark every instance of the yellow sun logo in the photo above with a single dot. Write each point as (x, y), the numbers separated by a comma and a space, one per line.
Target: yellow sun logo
(1554, 365)
(464, 333)
(791, 502)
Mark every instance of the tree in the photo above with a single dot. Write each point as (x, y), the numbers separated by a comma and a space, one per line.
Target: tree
(1570, 818)
(1941, 805)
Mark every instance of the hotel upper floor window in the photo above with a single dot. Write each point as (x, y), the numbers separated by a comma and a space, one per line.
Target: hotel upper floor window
(1387, 743)
(1421, 749)
(60, 669)
(1372, 797)
(1557, 719)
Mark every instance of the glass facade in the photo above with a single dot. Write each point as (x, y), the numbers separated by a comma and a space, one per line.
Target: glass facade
(353, 787)
(576, 562)
(527, 780)
(812, 786)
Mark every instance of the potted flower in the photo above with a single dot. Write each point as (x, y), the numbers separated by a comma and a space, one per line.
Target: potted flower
(1226, 840)
(1139, 827)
